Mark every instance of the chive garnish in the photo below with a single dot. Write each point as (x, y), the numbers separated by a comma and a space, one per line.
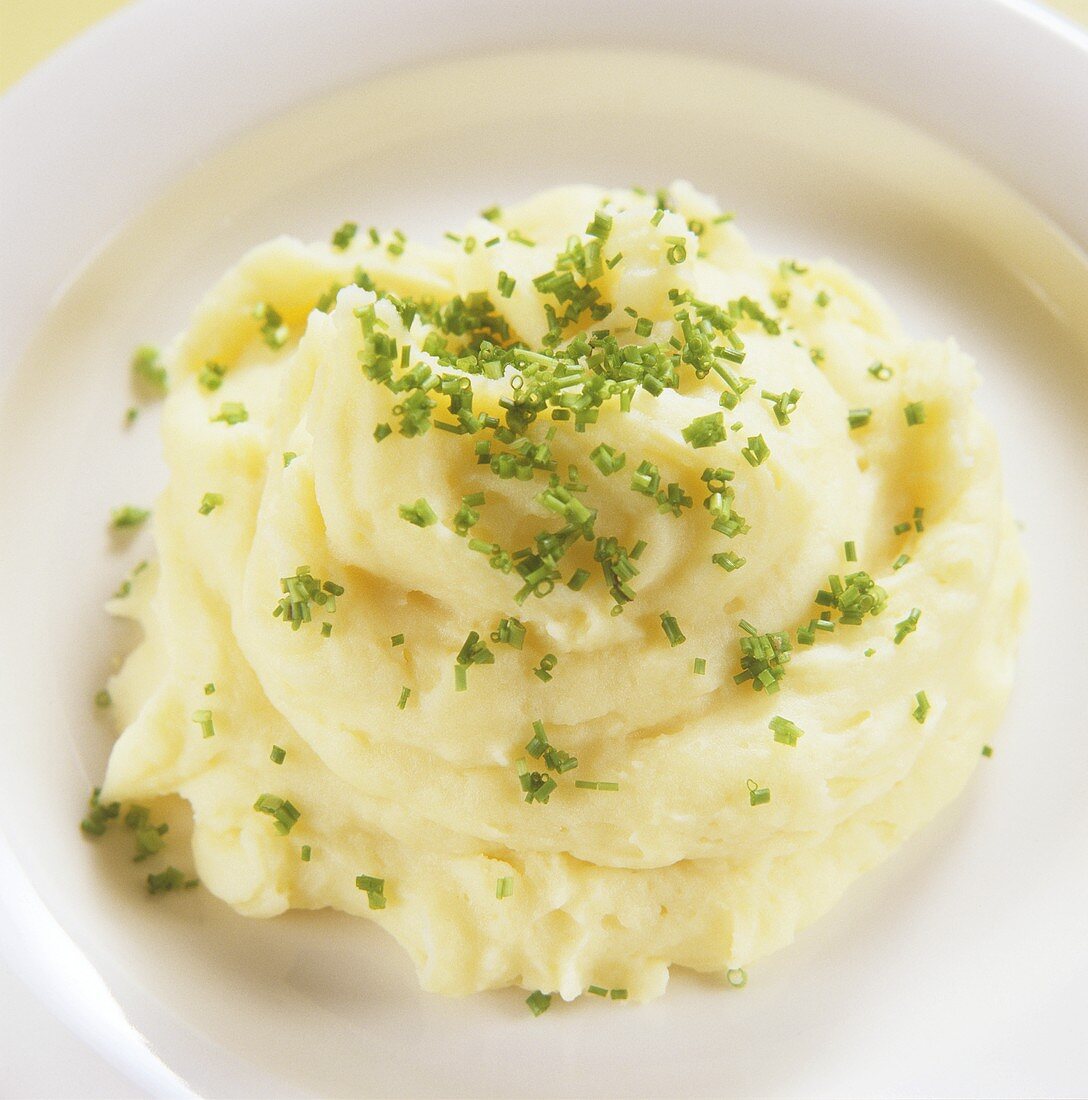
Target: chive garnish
(921, 708)
(504, 887)
(203, 718)
(283, 813)
(672, 629)
(737, 978)
(402, 702)
(785, 732)
(102, 698)
(344, 235)
(209, 502)
(277, 755)
(306, 853)
(538, 1002)
(374, 888)
(858, 418)
(128, 516)
(421, 514)
(699, 666)
(230, 412)
(915, 413)
(758, 795)
(908, 625)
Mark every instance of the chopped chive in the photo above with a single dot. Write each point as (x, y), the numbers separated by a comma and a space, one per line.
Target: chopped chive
(128, 516)
(203, 718)
(460, 678)
(672, 629)
(870, 651)
(402, 702)
(277, 755)
(131, 413)
(538, 1002)
(102, 698)
(901, 528)
(757, 450)
(705, 431)
(987, 750)
(758, 795)
(288, 458)
(161, 882)
(578, 580)
(282, 812)
(504, 887)
(919, 516)
(209, 689)
(396, 640)
(822, 299)
(619, 994)
(921, 708)
(850, 550)
(381, 432)
(344, 235)
(544, 670)
(506, 284)
(306, 852)
(491, 214)
(597, 991)
(900, 561)
(374, 888)
(728, 560)
(915, 413)
(785, 731)
(420, 514)
(858, 418)
(880, 371)
(209, 503)
(326, 630)
(596, 785)
(148, 369)
(699, 666)
(230, 412)
(908, 625)
(737, 978)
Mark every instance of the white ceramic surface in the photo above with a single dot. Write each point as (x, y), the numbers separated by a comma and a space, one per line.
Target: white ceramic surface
(140, 161)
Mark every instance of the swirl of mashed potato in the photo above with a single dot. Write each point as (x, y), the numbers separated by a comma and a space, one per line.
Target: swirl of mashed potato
(829, 542)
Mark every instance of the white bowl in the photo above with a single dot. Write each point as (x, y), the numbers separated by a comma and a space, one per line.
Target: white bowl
(938, 147)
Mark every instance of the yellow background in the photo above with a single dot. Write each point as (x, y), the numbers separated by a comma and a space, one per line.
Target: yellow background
(32, 29)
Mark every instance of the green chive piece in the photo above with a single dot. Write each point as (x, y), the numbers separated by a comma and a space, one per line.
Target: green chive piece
(901, 528)
(161, 882)
(822, 299)
(880, 371)
(131, 413)
(737, 978)
(506, 284)
(757, 450)
(283, 813)
(396, 640)
(230, 412)
(101, 814)
(326, 630)
(460, 678)
(381, 432)
(209, 689)
(699, 666)
(344, 235)
(987, 750)
(147, 368)
(209, 503)
(402, 702)
(538, 1002)
(306, 853)
(300, 593)
(203, 718)
(785, 731)
(919, 516)
(900, 561)
(420, 514)
(758, 795)
(543, 671)
(850, 550)
(921, 708)
(128, 516)
(102, 698)
(858, 418)
(578, 579)
(672, 629)
(915, 413)
(728, 560)
(374, 888)
(705, 431)
(211, 375)
(288, 458)
(907, 626)
(597, 991)
(277, 755)
(504, 887)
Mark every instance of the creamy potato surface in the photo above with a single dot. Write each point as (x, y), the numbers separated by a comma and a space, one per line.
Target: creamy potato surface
(580, 596)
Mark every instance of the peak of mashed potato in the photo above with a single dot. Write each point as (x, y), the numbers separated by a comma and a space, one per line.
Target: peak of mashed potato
(682, 863)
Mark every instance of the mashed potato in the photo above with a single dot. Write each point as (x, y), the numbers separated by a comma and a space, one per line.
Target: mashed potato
(630, 646)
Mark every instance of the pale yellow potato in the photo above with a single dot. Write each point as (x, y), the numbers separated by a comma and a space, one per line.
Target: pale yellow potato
(610, 888)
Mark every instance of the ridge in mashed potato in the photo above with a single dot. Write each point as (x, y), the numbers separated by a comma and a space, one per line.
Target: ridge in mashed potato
(613, 597)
